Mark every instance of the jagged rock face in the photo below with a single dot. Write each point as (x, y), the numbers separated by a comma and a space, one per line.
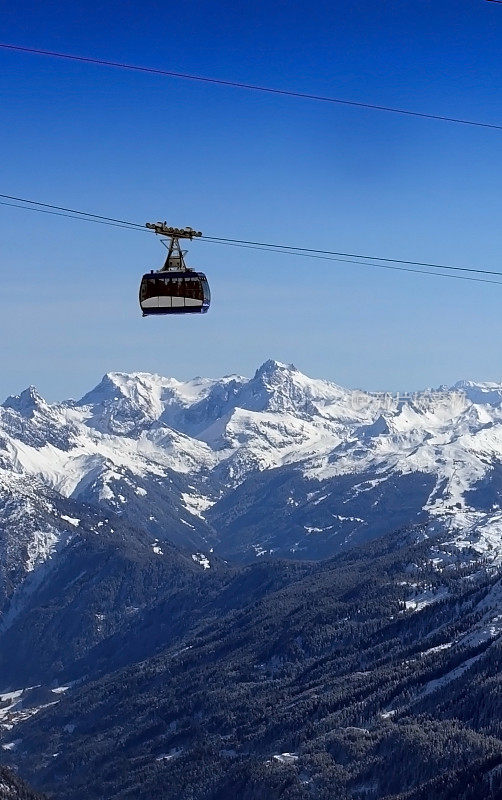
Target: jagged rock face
(200, 462)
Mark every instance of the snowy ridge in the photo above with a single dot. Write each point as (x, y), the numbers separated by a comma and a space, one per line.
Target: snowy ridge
(140, 439)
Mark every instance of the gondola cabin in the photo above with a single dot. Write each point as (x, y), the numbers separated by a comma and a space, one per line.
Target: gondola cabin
(168, 292)
(174, 289)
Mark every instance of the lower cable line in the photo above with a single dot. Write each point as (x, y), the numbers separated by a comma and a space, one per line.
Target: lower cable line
(72, 216)
(358, 259)
(292, 252)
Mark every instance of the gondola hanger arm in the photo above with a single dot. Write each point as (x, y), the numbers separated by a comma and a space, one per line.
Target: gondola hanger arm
(163, 229)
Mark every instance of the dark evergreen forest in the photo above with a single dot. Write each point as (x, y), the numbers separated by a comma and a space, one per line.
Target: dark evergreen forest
(274, 680)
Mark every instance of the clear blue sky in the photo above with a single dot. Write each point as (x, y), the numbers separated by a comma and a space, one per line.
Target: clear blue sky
(247, 165)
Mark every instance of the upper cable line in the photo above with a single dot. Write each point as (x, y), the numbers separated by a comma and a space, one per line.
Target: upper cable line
(250, 86)
(71, 211)
(381, 262)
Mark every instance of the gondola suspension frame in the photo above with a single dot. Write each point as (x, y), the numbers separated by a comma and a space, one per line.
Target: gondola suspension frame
(157, 301)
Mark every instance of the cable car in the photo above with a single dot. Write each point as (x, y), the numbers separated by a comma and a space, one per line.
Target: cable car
(175, 288)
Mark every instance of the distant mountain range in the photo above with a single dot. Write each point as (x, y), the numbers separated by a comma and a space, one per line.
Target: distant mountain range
(266, 587)
(279, 464)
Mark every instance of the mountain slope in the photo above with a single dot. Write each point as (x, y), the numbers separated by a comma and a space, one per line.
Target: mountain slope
(310, 688)
(13, 788)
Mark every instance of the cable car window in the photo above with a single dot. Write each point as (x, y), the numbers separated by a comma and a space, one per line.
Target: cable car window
(150, 287)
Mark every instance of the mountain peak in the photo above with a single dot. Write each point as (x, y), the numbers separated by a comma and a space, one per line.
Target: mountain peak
(481, 393)
(111, 387)
(25, 403)
(273, 367)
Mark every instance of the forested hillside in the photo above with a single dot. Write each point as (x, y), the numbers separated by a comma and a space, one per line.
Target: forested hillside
(309, 681)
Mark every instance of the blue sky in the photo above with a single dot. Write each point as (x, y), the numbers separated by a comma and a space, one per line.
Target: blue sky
(252, 166)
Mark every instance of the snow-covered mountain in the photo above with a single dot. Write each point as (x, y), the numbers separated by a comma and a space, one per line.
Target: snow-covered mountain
(117, 611)
(277, 464)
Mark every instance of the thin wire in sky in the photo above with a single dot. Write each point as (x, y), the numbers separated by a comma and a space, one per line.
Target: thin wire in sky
(69, 210)
(309, 250)
(250, 86)
(400, 265)
(292, 252)
(71, 216)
